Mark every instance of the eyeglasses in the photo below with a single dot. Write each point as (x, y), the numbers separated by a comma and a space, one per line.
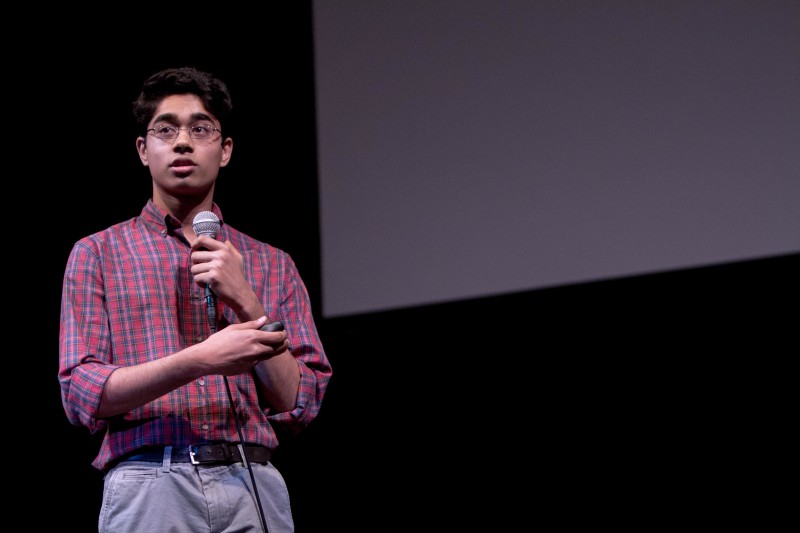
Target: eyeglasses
(198, 132)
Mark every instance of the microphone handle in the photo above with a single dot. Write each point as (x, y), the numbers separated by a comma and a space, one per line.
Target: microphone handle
(211, 309)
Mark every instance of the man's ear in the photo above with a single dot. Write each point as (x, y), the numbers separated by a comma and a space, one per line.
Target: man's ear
(227, 151)
(141, 149)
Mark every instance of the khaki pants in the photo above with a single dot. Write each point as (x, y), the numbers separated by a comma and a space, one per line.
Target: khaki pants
(184, 498)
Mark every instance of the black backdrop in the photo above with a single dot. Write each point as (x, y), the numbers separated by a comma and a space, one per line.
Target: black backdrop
(621, 402)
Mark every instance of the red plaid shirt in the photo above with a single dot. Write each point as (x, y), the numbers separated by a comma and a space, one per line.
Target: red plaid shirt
(129, 297)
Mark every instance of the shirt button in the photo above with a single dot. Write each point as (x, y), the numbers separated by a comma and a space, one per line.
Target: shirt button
(201, 381)
(199, 338)
(205, 426)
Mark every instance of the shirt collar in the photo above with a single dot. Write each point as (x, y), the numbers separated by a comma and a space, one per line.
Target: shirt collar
(163, 221)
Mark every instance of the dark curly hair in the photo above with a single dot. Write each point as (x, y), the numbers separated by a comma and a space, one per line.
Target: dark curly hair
(185, 80)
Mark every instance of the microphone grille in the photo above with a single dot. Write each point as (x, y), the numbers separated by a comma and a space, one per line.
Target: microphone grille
(206, 223)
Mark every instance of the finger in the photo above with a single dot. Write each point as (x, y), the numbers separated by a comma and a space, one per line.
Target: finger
(250, 324)
(204, 242)
(258, 322)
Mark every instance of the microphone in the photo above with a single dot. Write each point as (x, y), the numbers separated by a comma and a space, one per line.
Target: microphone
(207, 223)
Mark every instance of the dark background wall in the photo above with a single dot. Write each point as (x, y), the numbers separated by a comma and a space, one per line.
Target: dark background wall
(624, 402)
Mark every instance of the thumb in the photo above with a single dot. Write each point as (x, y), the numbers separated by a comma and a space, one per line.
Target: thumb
(253, 324)
(236, 253)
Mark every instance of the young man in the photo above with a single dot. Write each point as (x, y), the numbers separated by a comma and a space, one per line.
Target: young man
(165, 344)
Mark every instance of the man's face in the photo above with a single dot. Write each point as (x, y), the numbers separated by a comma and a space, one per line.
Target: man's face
(183, 165)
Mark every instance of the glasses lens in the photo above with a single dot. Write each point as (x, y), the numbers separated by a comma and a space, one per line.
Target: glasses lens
(165, 132)
(201, 131)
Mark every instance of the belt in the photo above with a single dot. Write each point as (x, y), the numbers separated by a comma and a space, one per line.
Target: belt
(204, 454)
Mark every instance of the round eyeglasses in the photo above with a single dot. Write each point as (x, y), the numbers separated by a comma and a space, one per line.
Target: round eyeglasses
(198, 132)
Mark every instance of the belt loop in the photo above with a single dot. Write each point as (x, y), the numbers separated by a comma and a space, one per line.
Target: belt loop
(167, 459)
(244, 456)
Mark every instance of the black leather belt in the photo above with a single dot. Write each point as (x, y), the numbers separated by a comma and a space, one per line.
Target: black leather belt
(205, 454)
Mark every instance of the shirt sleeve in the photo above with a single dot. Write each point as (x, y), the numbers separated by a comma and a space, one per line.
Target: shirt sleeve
(304, 343)
(84, 338)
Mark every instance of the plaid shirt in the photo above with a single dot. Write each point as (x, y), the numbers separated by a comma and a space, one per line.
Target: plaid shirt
(129, 297)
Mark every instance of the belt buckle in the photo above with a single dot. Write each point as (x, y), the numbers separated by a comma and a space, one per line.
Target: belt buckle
(191, 456)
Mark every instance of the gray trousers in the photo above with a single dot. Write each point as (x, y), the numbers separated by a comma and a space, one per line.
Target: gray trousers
(174, 497)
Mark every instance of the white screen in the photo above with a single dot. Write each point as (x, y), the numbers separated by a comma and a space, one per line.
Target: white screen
(469, 148)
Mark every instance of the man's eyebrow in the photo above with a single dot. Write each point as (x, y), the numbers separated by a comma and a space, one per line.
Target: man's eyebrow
(172, 118)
